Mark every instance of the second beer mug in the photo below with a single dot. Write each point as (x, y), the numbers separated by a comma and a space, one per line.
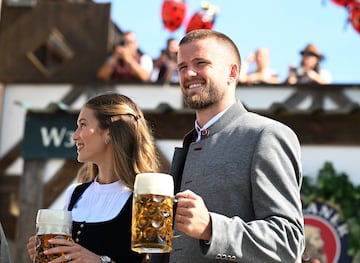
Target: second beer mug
(152, 216)
(51, 223)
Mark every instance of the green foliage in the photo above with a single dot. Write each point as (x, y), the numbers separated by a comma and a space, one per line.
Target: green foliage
(339, 190)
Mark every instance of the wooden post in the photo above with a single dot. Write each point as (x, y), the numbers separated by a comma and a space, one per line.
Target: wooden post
(31, 199)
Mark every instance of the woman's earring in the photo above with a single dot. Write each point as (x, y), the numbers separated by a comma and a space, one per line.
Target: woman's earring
(107, 140)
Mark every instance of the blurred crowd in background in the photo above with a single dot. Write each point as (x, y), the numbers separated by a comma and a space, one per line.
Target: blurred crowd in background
(127, 63)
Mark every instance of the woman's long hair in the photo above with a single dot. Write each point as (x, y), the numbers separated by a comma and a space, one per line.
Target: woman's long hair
(133, 143)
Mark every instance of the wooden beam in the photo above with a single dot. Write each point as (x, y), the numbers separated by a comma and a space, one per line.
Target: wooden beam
(170, 125)
(31, 199)
(9, 195)
(318, 129)
(323, 129)
(60, 181)
(9, 183)
(8, 158)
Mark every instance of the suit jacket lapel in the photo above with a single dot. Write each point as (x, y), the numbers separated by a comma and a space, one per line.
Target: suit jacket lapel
(179, 157)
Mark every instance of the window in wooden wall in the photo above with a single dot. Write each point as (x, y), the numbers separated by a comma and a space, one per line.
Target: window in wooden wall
(51, 54)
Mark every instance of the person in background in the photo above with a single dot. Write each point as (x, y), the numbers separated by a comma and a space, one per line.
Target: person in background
(262, 73)
(127, 63)
(309, 70)
(238, 174)
(4, 247)
(165, 66)
(113, 139)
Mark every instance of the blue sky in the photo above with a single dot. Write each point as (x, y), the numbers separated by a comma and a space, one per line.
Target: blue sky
(284, 26)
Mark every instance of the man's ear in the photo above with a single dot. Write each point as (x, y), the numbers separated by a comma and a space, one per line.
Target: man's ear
(234, 72)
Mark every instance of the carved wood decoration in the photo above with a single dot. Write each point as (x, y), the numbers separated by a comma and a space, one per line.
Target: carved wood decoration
(52, 54)
(53, 41)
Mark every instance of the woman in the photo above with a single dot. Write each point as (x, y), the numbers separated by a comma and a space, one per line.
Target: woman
(309, 70)
(114, 141)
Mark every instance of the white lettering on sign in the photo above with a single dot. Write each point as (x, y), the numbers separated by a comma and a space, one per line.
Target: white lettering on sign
(59, 137)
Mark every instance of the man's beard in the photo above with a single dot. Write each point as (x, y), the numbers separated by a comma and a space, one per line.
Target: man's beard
(205, 99)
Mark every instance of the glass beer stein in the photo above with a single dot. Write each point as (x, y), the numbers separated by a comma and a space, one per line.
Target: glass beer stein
(152, 216)
(50, 224)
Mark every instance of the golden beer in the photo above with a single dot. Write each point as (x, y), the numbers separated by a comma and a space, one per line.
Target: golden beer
(42, 244)
(152, 218)
(51, 224)
(152, 223)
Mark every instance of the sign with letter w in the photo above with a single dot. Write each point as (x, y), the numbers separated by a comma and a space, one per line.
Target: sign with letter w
(49, 135)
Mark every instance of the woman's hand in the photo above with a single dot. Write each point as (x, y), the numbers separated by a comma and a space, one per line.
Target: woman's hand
(31, 247)
(71, 252)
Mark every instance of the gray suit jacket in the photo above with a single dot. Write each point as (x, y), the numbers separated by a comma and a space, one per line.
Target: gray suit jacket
(248, 172)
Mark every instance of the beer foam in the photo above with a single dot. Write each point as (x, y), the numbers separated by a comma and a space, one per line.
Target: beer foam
(154, 183)
(53, 221)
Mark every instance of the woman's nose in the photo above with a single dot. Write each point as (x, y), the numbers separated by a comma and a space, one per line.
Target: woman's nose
(75, 136)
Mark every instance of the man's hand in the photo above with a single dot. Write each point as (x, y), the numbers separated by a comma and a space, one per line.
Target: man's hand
(192, 217)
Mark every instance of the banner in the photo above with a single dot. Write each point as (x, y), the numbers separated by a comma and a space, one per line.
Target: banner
(325, 233)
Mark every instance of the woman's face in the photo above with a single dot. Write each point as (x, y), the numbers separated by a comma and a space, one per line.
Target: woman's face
(309, 61)
(90, 138)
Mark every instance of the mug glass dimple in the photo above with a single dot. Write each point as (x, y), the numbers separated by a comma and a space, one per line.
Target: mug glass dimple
(50, 224)
(152, 217)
